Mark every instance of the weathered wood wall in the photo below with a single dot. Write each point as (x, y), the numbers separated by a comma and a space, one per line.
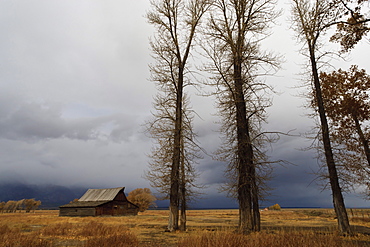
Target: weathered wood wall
(113, 208)
(77, 212)
(116, 208)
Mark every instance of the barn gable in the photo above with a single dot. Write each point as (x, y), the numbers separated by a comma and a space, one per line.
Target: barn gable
(99, 202)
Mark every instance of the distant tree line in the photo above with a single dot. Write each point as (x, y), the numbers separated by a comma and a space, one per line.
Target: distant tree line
(27, 205)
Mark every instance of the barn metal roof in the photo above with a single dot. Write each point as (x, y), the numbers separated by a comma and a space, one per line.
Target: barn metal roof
(97, 195)
(79, 204)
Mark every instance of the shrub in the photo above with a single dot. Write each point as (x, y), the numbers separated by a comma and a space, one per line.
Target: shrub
(142, 198)
(275, 207)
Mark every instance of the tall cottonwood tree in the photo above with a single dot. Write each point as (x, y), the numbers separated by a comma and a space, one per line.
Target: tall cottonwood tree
(312, 20)
(235, 29)
(160, 166)
(176, 22)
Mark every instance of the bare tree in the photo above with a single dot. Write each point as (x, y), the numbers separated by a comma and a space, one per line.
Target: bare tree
(159, 174)
(176, 22)
(312, 19)
(235, 30)
(2, 206)
(20, 205)
(10, 206)
(31, 204)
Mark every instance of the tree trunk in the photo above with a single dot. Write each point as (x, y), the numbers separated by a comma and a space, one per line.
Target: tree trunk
(183, 214)
(244, 153)
(183, 192)
(338, 201)
(365, 143)
(256, 208)
(173, 223)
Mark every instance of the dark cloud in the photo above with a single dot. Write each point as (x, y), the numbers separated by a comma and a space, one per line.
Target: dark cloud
(212, 172)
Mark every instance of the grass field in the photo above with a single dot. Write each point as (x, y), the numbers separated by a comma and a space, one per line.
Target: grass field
(288, 227)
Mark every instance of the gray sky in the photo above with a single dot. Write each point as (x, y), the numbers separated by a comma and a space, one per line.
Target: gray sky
(75, 94)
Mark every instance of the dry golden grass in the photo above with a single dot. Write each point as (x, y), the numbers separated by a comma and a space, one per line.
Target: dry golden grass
(296, 227)
(264, 239)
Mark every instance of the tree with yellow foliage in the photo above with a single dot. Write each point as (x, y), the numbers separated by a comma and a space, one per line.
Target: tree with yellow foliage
(142, 198)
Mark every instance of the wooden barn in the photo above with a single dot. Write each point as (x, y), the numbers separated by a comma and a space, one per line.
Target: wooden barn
(100, 202)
